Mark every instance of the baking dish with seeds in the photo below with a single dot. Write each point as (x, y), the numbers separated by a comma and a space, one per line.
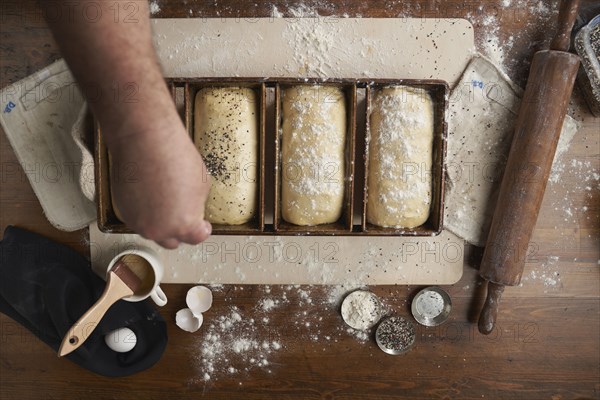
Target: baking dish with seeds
(267, 218)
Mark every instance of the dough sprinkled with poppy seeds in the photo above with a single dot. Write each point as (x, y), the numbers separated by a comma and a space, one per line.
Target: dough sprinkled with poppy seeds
(226, 134)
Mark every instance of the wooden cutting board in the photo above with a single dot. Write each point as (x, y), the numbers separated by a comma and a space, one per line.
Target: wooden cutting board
(316, 47)
(331, 47)
(297, 259)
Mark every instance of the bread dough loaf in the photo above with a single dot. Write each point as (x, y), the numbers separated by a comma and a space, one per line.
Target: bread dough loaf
(400, 157)
(313, 139)
(226, 134)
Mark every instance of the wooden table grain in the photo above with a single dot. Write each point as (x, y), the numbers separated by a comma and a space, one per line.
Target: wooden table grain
(547, 343)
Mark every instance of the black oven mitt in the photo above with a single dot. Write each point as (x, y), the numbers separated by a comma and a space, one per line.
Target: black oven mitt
(46, 287)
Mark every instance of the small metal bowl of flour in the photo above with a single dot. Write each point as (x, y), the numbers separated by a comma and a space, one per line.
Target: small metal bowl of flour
(431, 306)
(361, 310)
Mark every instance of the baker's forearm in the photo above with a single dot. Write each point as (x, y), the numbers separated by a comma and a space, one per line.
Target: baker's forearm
(108, 47)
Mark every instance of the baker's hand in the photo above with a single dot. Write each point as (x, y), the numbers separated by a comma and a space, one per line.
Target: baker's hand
(159, 181)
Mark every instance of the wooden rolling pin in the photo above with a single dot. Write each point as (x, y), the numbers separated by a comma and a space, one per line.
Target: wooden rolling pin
(537, 131)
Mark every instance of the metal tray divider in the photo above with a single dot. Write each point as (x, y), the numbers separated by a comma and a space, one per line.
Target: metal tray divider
(363, 224)
(278, 172)
(261, 156)
(350, 159)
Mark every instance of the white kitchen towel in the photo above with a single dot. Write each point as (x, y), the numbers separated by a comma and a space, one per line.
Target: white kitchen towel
(43, 117)
(482, 115)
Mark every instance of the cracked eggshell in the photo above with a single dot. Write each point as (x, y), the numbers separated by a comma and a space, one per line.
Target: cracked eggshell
(187, 321)
(199, 299)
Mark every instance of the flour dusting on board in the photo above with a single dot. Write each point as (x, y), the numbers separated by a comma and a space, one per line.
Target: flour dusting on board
(313, 38)
(299, 41)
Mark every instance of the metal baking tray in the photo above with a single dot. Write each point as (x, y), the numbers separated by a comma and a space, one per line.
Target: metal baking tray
(353, 220)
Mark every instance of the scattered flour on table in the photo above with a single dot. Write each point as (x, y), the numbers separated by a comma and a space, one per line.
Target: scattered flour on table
(232, 343)
(491, 42)
(559, 163)
(275, 13)
(573, 180)
(572, 195)
(304, 10)
(154, 7)
(240, 340)
(548, 274)
(574, 184)
(216, 287)
(489, 18)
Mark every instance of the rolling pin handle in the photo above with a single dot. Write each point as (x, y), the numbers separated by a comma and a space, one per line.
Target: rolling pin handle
(566, 19)
(487, 318)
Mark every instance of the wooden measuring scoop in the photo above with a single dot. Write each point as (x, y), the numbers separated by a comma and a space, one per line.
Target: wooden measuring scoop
(122, 282)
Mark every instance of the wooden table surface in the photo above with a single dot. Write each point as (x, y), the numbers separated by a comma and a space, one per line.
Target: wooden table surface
(546, 345)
